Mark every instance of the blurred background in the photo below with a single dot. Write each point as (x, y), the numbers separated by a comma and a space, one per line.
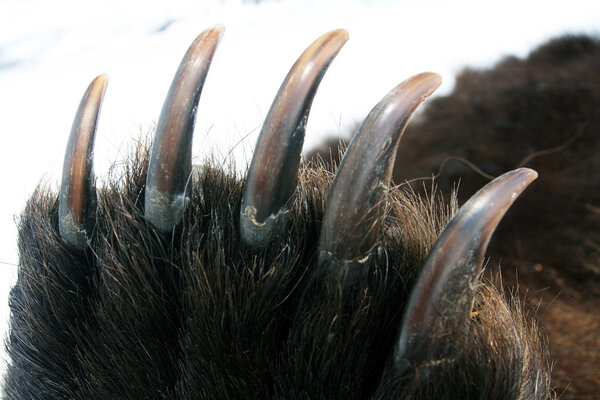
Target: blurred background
(50, 51)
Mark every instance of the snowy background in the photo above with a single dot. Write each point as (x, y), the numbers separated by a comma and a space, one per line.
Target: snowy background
(51, 50)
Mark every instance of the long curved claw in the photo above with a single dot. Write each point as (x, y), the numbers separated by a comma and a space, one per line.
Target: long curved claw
(352, 220)
(171, 160)
(442, 297)
(77, 201)
(272, 176)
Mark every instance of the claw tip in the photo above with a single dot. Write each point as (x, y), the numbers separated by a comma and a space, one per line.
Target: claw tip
(217, 29)
(530, 174)
(341, 34)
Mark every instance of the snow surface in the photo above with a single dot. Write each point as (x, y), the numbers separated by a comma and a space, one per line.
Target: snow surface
(51, 50)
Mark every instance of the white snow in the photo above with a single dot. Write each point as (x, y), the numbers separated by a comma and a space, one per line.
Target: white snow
(51, 50)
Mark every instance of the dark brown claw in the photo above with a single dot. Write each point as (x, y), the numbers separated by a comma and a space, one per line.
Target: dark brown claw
(171, 161)
(77, 201)
(352, 220)
(273, 173)
(444, 291)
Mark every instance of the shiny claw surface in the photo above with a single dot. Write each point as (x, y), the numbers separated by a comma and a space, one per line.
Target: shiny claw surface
(77, 201)
(171, 161)
(273, 173)
(352, 220)
(442, 297)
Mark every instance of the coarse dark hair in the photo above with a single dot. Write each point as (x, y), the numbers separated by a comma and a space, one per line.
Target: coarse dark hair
(176, 282)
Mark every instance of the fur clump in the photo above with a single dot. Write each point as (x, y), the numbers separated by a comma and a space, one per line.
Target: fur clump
(542, 112)
(199, 315)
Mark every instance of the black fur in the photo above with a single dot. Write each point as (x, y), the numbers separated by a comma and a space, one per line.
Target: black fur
(199, 315)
